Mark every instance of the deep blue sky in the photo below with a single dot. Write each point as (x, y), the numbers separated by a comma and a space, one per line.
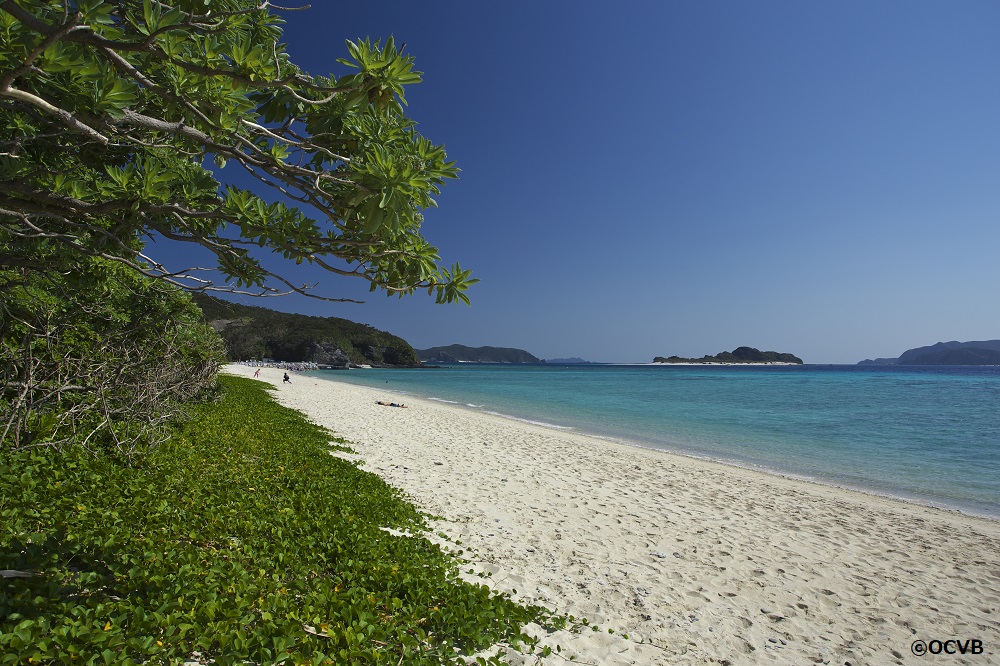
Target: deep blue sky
(656, 178)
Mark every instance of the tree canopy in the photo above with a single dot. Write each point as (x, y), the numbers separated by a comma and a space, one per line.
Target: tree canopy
(115, 114)
(116, 118)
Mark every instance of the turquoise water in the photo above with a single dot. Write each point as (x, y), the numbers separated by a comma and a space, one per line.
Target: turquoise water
(926, 434)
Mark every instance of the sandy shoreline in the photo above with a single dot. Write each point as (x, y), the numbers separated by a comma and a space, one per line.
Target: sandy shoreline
(697, 562)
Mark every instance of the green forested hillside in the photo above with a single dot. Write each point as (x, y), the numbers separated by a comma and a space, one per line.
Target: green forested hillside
(255, 333)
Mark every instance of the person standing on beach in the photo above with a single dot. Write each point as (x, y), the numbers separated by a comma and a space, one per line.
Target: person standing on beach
(257, 374)
(287, 380)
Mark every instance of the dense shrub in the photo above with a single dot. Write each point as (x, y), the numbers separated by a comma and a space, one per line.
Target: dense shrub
(94, 354)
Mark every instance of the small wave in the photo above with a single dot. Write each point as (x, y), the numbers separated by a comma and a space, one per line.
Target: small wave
(543, 424)
(448, 402)
(455, 402)
(537, 423)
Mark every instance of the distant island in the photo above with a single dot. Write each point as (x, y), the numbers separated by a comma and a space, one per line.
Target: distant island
(978, 352)
(573, 360)
(741, 355)
(463, 354)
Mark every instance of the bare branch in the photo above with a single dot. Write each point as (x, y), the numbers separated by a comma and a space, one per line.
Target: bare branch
(285, 9)
(64, 116)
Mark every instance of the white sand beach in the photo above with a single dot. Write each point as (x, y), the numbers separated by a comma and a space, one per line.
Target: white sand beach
(698, 563)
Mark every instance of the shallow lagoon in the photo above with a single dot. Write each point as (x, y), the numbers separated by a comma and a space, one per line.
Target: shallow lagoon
(930, 434)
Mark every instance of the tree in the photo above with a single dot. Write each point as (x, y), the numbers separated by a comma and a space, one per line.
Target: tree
(112, 114)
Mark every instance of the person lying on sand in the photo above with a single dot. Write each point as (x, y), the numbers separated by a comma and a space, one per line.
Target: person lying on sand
(390, 404)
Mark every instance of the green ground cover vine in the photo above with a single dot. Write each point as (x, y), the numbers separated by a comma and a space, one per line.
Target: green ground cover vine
(240, 540)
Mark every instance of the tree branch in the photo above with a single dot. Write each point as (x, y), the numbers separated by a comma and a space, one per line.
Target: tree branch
(64, 116)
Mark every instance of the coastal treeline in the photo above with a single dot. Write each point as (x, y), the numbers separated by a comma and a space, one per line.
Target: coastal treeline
(152, 512)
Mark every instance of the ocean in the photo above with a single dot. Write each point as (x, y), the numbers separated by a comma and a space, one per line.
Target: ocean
(925, 434)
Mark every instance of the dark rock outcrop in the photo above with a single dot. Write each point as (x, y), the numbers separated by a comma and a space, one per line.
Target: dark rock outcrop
(324, 353)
